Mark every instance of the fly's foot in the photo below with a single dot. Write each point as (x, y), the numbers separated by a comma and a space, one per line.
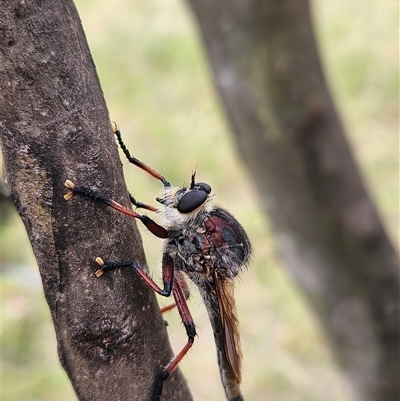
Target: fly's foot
(158, 388)
(70, 185)
(99, 272)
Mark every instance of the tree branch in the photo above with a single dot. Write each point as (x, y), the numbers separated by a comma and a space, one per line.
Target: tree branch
(267, 70)
(112, 340)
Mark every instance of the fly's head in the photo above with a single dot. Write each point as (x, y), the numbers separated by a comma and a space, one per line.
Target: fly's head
(183, 204)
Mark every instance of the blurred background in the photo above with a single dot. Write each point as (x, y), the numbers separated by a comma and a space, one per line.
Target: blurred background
(158, 88)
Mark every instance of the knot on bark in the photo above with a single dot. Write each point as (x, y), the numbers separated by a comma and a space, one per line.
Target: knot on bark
(104, 338)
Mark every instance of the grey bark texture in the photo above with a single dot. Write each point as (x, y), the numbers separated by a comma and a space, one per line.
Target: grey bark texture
(54, 125)
(268, 73)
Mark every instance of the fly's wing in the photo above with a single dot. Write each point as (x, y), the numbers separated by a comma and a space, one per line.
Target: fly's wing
(220, 303)
(230, 326)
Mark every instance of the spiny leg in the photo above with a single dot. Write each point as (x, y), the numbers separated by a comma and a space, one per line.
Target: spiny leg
(151, 225)
(180, 302)
(180, 278)
(168, 274)
(188, 322)
(135, 161)
(141, 205)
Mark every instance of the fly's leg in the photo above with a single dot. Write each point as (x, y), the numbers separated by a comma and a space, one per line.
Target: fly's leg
(135, 161)
(151, 225)
(167, 273)
(141, 205)
(188, 322)
(180, 302)
(180, 278)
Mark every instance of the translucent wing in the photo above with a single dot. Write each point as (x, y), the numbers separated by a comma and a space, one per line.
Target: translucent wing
(230, 326)
(220, 303)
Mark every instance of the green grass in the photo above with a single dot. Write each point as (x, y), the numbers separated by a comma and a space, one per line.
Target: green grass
(157, 86)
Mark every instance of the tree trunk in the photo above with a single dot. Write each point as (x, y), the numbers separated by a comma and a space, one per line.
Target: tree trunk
(112, 340)
(266, 68)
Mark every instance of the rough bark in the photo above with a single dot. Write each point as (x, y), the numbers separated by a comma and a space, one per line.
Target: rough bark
(267, 70)
(112, 340)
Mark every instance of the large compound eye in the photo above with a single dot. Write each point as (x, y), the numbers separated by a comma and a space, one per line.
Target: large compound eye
(192, 200)
(202, 186)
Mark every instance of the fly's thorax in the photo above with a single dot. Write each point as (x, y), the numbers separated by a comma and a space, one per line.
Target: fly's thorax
(211, 244)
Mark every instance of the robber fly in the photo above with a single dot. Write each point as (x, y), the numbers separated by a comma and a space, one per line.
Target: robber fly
(207, 244)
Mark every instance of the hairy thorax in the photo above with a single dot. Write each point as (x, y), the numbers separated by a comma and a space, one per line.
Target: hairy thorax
(210, 243)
